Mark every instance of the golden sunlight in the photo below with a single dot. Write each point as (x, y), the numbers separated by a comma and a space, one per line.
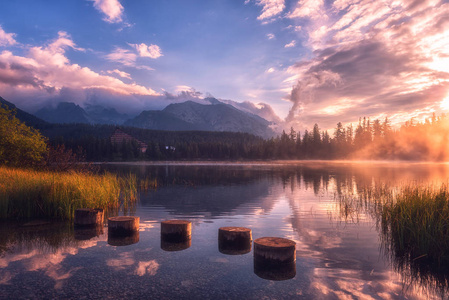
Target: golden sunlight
(445, 103)
(440, 64)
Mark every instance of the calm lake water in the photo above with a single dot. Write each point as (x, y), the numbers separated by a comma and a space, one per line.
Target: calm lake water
(340, 254)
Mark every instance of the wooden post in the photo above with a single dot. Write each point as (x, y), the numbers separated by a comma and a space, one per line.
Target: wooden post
(234, 240)
(123, 226)
(274, 258)
(176, 230)
(176, 235)
(274, 250)
(88, 217)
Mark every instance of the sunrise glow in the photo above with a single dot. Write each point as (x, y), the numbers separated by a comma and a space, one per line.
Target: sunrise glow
(445, 103)
(296, 59)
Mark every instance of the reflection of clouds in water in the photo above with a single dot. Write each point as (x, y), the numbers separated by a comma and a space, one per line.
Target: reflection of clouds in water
(58, 275)
(147, 225)
(125, 259)
(147, 267)
(5, 278)
(353, 284)
(321, 246)
(218, 260)
(45, 260)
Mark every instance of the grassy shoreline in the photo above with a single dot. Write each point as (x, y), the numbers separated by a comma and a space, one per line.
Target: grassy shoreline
(43, 194)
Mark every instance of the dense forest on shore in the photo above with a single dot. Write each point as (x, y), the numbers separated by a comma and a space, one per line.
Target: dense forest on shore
(375, 140)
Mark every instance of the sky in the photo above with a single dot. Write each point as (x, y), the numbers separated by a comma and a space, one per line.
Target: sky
(311, 61)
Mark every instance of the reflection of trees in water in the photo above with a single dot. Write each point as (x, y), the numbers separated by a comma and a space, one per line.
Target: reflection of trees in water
(359, 189)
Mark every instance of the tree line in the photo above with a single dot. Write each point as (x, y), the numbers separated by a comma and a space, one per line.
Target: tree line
(56, 144)
(366, 140)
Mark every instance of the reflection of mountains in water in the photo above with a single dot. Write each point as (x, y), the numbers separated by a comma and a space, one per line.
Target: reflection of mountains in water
(212, 201)
(220, 189)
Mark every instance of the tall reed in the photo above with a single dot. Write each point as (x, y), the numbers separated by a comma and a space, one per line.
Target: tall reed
(29, 193)
(417, 223)
(415, 233)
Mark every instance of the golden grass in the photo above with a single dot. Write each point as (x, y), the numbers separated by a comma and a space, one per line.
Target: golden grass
(28, 193)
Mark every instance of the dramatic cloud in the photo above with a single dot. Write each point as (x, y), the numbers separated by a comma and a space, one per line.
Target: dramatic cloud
(6, 39)
(112, 9)
(377, 59)
(271, 8)
(46, 73)
(151, 51)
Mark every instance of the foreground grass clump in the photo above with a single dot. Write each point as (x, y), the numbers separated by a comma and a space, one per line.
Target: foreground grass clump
(30, 194)
(417, 224)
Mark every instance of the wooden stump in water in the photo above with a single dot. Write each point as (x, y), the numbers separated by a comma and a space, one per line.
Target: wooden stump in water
(120, 240)
(274, 250)
(234, 240)
(176, 230)
(88, 217)
(123, 226)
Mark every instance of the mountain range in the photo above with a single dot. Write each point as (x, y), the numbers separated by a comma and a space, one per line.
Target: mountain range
(185, 116)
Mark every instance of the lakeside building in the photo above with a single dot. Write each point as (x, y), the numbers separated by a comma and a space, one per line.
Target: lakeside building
(120, 137)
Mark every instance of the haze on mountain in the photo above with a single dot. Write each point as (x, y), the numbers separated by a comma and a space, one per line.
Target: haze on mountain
(190, 115)
(209, 115)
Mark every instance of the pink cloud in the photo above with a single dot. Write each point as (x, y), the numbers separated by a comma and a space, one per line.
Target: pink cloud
(123, 56)
(46, 72)
(151, 51)
(120, 73)
(112, 10)
(291, 44)
(370, 59)
(6, 39)
(271, 8)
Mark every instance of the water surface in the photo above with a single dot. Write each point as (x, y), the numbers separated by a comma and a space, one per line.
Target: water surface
(339, 247)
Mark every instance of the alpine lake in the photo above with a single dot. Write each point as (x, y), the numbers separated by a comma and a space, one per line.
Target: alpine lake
(341, 251)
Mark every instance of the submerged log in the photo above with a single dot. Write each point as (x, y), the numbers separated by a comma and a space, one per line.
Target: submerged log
(234, 240)
(120, 240)
(88, 217)
(274, 250)
(123, 226)
(176, 230)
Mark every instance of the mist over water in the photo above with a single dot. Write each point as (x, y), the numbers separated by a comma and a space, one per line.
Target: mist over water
(339, 250)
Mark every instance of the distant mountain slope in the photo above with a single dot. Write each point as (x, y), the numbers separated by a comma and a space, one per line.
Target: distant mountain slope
(194, 116)
(161, 120)
(67, 112)
(23, 116)
(64, 112)
(101, 115)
